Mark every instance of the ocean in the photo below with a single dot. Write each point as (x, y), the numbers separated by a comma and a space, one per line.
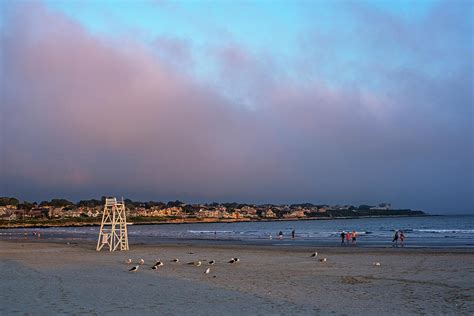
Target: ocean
(426, 231)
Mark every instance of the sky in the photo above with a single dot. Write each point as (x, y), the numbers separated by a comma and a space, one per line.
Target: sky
(337, 102)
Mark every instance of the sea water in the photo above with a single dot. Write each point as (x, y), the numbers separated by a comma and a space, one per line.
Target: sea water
(425, 231)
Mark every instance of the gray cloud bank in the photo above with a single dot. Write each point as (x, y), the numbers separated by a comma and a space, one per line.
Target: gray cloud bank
(84, 116)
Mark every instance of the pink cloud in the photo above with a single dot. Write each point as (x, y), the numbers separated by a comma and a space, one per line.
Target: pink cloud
(90, 114)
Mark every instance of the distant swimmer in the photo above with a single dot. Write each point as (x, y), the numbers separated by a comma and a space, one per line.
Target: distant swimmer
(315, 254)
(402, 238)
(134, 269)
(280, 235)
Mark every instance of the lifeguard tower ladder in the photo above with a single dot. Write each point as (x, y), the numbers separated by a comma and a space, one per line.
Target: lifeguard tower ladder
(113, 229)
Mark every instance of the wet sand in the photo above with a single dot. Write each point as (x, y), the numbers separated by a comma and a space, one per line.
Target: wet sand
(44, 278)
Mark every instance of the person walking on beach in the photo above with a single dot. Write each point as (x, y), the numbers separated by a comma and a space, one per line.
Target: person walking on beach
(354, 236)
(348, 237)
(293, 234)
(280, 235)
(395, 239)
(402, 237)
(343, 236)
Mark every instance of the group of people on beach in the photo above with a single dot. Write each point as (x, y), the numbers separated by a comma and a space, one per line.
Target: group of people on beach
(399, 236)
(280, 235)
(35, 234)
(347, 237)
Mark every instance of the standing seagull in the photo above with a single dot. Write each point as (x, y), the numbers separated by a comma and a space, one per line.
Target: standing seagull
(207, 271)
(158, 264)
(154, 268)
(323, 260)
(176, 260)
(212, 262)
(134, 269)
(234, 260)
(315, 254)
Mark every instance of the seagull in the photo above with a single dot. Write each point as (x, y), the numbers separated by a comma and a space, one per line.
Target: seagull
(212, 262)
(158, 264)
(176, 260)
(154, 267)
(196, 263)
(234, 260)
(323, 260)
(141, 261)
(377, 264)
(207, 271)
(129, 261)
(315, 254)
(134, 269)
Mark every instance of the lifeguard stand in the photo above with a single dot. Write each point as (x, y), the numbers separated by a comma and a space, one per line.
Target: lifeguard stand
(113, 229)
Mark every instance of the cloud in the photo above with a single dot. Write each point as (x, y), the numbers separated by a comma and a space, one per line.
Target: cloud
(86, 115)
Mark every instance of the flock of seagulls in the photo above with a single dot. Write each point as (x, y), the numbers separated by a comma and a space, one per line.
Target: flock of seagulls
(159, 263)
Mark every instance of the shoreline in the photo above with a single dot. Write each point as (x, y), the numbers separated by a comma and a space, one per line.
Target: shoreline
(45, 224)
(234, 244)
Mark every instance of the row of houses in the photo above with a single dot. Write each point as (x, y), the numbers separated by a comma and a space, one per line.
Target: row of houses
(196, 211)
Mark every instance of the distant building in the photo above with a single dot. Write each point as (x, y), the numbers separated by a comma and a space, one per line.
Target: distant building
(90, 213)
(295, 214)
(36, 213)
(55, 212)
(269, 214)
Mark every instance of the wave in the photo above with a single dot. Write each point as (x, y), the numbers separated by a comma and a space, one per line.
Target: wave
(211, 231)
(441, 231)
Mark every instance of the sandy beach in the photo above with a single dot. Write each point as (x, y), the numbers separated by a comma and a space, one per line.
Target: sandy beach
(42, 278)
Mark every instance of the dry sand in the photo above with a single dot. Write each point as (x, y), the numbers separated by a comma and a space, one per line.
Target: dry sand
(46, 278)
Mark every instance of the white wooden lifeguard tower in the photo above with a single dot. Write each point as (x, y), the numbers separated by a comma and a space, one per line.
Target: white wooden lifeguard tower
(113, 229)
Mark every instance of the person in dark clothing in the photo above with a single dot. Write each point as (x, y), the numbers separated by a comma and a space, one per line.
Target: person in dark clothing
(343, 236)
(395, 239)
(293, 234)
